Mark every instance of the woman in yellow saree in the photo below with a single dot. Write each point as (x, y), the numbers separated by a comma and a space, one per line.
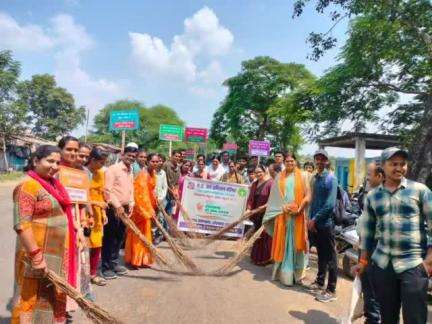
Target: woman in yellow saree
(136, 254)
(285, 221)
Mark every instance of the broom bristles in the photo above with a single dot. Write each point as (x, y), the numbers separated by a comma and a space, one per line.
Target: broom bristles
(92, 311)
(173, 227)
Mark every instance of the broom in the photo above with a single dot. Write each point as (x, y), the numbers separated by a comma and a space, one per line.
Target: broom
(178, 252)
(91, 310)
(222, 271)
(160, 258)
(173, 226)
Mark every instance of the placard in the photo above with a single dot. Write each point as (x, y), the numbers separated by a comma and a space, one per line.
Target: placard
(196, 135)
(124, 120)
(76, 183)
(173, 133)
(230, 148)
(213, 205)
(259, 148)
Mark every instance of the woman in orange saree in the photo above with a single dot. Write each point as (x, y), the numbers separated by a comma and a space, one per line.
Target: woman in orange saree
(43, 221)
(136, 254)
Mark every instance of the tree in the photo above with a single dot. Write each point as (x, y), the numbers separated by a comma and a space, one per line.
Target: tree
(388, 53)
(259, 105)
(52, 108)
(150, 119)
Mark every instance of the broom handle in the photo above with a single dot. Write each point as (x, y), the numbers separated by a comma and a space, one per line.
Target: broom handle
(185, 213)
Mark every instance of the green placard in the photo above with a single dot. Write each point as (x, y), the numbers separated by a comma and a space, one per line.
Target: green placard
(124, 120)
(173, 133)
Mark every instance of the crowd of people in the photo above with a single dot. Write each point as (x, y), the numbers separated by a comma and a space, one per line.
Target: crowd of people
(81, 242)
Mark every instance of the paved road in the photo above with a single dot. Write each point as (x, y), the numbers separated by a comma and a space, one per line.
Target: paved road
(152, 296)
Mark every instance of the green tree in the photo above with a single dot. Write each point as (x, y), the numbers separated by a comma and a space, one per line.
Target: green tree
(388, 53)
(259, 104)
(52, 108)
(150, 119)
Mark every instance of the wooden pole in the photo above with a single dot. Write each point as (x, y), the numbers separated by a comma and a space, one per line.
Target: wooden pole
(87, 124)
(123, 140)
(170, 148)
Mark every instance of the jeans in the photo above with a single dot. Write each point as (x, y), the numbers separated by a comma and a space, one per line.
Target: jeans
(408, 289)
(114, 235)
(371, 306)
(324, 239)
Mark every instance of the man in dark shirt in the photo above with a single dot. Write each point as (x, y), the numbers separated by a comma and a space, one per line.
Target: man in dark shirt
(321, 227)
(172, 170)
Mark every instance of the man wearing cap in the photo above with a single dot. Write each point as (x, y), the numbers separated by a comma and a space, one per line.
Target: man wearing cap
(402, 259)
(321, 227)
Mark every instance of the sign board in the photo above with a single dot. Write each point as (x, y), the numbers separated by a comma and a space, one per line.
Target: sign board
(213, 205)
(124, 120)
(76, 183)
(190, 154)
(230, 148)
(259, 148)
(173, 133)
(196, 135)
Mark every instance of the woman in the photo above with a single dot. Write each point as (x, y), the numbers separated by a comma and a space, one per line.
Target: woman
(184, 172)
(136, 254)
(215, 171)
(96, 161)
(258, 196)
(43, 221)
(200, 170)
(285, 221)
(232, 176)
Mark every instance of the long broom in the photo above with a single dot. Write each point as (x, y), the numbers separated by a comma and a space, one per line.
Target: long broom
(173, 226)
(178, 252)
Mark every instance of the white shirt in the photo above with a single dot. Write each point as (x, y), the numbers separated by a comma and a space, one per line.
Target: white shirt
(161, 185)
(215, 175)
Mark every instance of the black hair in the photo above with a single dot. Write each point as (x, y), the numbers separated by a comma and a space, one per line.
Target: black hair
(251, 170)
(379, 170)
(81, 144)
(163, 158)
(41, 152)
(130, 149)
(223, 152)
(149, 157)
(66, 139)
(97, 154)
(262, 167)
(279, 152)
(141, 150)
(215, 157)
(308, 163)
(291, 154)
(200, 155)
(242, 157)
(174, 152)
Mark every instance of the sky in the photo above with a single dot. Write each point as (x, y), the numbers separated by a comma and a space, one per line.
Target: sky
(175, 53)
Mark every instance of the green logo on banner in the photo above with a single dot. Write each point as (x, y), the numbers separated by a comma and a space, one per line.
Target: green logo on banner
(242, 192)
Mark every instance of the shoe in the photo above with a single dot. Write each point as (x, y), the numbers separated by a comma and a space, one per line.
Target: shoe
(120, 270)
(326, 297)
(109, 274)
(99, 281)
(314, 287)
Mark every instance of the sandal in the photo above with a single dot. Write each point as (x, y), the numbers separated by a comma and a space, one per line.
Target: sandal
(98, 281)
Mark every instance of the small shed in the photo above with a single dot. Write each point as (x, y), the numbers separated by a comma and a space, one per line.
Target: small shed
(360, 142)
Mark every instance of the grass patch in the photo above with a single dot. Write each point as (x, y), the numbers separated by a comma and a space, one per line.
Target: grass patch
(10, 176)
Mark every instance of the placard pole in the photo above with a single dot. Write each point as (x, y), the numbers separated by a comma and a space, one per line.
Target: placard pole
(170, 149)
(123, 140)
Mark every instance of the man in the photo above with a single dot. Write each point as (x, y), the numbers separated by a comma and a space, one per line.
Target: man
(141, 162)
(225, 160)
(278, 164)
(375, 177)
(120, 197)
(253, 162)
(182, 156)
(321, 227)
(199, 158)
(172, 170)
(232, 176)
(402, 259)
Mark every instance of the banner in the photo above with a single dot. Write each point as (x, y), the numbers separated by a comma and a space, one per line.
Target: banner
(172, 133)
(259, 148)
(213, 205)
(76, 183)
(124, 120)
(231, 148)
(196, 135)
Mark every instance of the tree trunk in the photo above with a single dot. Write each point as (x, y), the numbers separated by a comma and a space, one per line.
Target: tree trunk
(263, 128)
(421, 147)
(5, 154)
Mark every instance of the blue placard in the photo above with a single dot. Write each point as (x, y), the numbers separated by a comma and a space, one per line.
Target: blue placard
(124, 120)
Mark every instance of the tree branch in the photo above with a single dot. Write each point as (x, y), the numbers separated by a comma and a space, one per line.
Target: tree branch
(393, 87)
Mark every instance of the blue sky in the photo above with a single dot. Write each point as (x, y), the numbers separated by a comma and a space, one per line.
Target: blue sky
(175, 53)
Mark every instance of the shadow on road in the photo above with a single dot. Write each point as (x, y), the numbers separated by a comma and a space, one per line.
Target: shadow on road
(314, 316)
(150, 278)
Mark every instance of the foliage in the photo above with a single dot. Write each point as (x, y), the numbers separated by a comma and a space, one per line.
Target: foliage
(150, 119)
(11, 176)
(388, 53)
(52, 108)
(260, 104)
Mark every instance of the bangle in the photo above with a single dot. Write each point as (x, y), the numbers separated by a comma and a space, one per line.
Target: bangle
(363, 261)
(33, 253)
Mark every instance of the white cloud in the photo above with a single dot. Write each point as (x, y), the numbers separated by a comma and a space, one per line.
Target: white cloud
(22, 37)
(203, 37)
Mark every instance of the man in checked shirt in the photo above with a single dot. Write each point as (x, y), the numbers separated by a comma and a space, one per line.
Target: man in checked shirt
(402, 260)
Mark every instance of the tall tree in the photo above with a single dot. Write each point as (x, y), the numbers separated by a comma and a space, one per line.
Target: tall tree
(258, 104)
(388, 53)
(150, 119)
(53, 108)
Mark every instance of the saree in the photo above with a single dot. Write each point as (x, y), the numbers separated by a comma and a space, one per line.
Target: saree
(289, 246)
(35, 300)
(136, 253)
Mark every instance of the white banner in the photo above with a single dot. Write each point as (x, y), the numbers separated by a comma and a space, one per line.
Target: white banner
(213, 205)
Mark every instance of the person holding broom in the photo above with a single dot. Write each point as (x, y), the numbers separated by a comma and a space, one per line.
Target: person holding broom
(43, 221)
